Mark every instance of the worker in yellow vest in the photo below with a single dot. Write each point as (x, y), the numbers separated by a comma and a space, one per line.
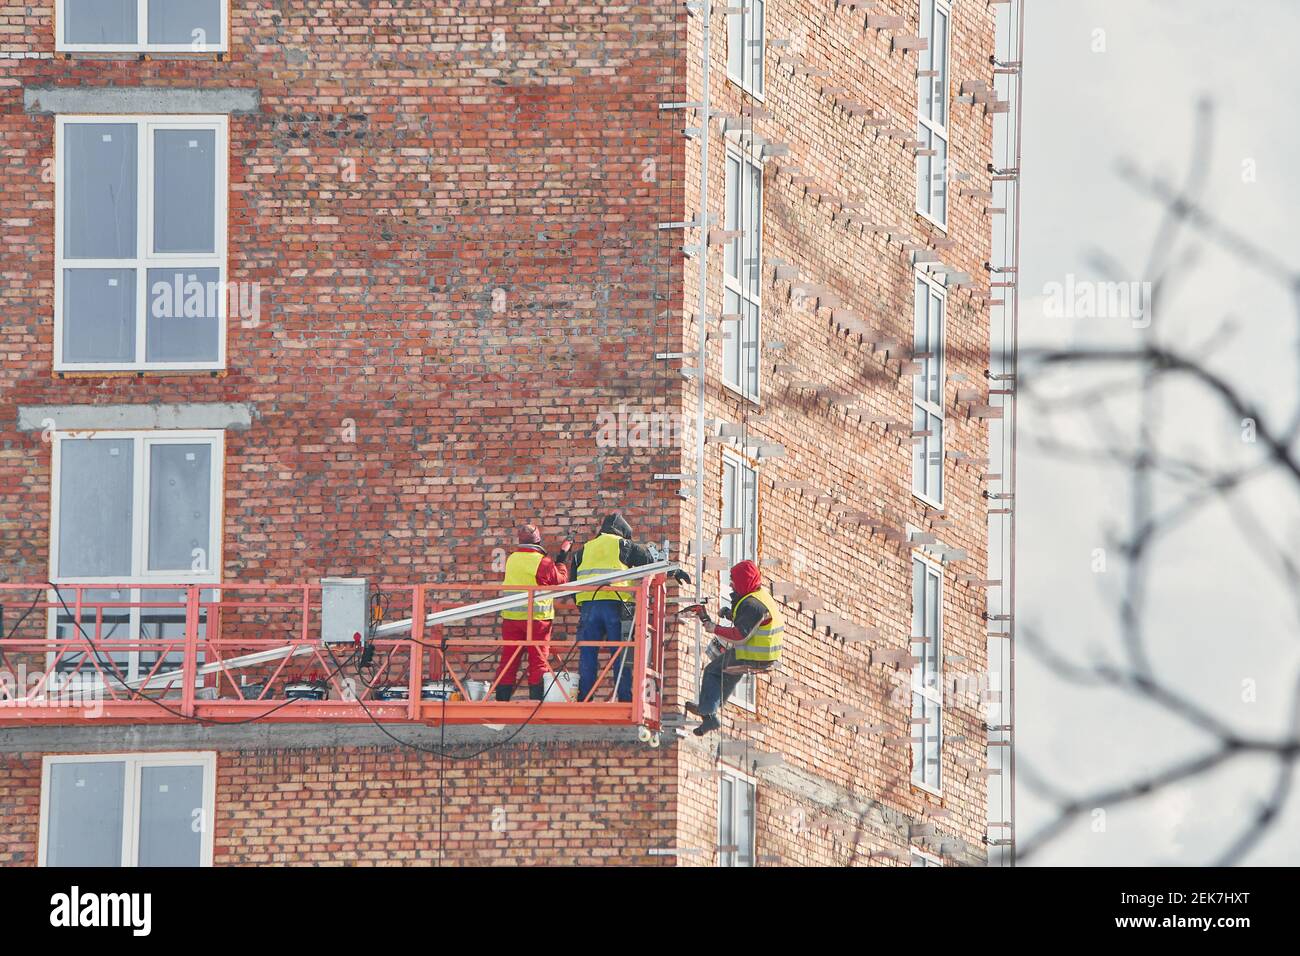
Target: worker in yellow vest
(529, 566)
(605, 613)
(753, 643)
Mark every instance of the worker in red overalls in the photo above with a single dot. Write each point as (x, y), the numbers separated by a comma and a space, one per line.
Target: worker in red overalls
(529, 565)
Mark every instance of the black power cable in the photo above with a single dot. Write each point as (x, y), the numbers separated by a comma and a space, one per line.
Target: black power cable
(135, 692)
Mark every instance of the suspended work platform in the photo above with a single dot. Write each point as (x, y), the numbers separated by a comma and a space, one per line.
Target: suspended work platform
(131, 653)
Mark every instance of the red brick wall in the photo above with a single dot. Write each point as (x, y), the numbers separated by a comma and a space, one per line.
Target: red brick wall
(404, 164)
(853, 464)
(20, 809)
(524, 804)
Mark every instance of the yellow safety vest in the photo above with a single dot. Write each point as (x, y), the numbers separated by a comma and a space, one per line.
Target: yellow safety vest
(521, 569)
(600, 556)
(764, 642)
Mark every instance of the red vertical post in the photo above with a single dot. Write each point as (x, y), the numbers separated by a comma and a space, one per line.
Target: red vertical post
(188, 669)
(415, 687)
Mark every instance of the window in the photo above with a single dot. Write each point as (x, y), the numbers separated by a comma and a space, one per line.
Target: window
(133, 508)
(140, 243)
(921, 858)
(183, 26)
(127, 810)
(735, 820)
(927, 675)
(742, 271)
(739, 511)
(927, 391)
(932, 113)
(747, 45)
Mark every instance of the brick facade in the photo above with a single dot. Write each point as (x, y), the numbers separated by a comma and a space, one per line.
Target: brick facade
(452, 213)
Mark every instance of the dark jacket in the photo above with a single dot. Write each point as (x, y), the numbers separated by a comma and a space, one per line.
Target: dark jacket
(630, 553)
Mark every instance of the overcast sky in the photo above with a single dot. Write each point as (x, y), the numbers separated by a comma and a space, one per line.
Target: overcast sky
(1220, 616)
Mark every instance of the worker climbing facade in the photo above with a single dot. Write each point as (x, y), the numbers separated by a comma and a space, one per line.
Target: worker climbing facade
(751, 644)
(529, 566)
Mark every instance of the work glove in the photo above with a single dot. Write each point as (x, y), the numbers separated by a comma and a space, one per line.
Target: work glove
(680, 576)
(563, 554)
(702, 613)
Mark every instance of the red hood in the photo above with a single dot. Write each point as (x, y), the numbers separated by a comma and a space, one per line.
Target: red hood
(745, 578)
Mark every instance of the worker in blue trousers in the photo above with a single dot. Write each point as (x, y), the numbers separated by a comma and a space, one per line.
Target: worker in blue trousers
(606, 612)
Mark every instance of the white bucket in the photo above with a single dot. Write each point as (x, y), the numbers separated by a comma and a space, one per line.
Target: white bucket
(557, 684)
(477, 689)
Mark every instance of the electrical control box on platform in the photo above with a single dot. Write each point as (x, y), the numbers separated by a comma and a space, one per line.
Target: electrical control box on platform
(343, 607)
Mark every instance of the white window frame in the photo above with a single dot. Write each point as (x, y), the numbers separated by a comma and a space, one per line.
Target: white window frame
(934, 366)
(746, 693)
(931, 691)
(142, 44)
(141, 577)
(144, 258)
(755, 86)
(740, 783)
(749, 292)
(926, 859)
(135, 764)
(928, 125)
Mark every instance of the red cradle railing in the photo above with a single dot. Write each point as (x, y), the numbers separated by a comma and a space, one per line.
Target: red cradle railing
(238, 652)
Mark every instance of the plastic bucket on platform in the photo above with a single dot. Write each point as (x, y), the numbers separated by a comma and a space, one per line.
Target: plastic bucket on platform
(557, 684)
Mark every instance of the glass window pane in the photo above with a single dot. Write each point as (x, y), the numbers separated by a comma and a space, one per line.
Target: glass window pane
(731, 336)
(95, 489)
(180, 487)
(749, 349)
(184, 190)
(753, 226)
(729, 519)
(735, 45)
(918, 620)
(923, 166)
(925, 60)
(931, 630)
(918, 743)
(931, 744)
(745, 856)
(934, 344)
(99, 190)
(934, 446)
(726, 818)
(749, 516)
(757, 44)
(918, 453)
(196, 23)
(920, 335)
(84, 827)
(938, 180)
(183, 321)
(171, 816)
(99, 315)
(939, 84)
(731, 218)
(99, 21)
